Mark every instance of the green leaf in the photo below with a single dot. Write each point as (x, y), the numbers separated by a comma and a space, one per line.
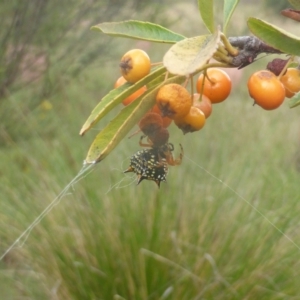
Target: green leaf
(112, 134)
(139, 30)
(229, 7)
(120, 126)
(275, 36)
(115, 97)
(295, 101)
(206, 9)
(295, 3)
(190, 55)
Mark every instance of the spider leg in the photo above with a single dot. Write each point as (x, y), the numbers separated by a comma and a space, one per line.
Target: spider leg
(149, 144)
(170, 159)
(179, 159)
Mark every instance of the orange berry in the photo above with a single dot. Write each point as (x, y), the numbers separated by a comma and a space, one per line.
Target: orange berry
(173, 100)
(135, 64)
(217, 85)
(121, 80)
(266, 89)
(166, 120)
(291, 82)
(204, 105)
(193, 121)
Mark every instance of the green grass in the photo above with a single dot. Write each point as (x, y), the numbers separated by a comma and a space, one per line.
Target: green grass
(195, 238)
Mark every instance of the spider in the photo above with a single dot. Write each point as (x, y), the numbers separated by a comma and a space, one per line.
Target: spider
(147, 165)
(152, 163)
(164, 151)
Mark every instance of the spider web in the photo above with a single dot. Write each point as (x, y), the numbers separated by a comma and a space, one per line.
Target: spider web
(124, 182)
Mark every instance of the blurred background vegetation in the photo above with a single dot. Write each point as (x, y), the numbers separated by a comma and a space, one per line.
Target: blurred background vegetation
(194, 238)
(47, 44)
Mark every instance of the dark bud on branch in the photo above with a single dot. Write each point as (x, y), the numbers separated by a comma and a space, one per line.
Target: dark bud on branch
(249, 47)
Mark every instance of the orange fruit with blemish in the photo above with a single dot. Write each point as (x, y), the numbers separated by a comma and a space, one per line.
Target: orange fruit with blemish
(193, 121)
(173, 100)
(135, 64)
(266, 89)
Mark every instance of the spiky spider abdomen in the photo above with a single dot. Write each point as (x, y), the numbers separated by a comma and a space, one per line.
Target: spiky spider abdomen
(147, 164)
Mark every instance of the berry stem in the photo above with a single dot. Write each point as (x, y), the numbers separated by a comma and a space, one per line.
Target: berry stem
(166, 76)
(221, 57)
(285, 67)
(156, 64)
(192, 86)
(232, 50)
(222, 49)
(186, 82)
(212, 65)
(206, 76)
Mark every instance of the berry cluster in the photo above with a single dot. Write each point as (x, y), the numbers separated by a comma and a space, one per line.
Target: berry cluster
(270, 87)
(189, 110)
(173, 101)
